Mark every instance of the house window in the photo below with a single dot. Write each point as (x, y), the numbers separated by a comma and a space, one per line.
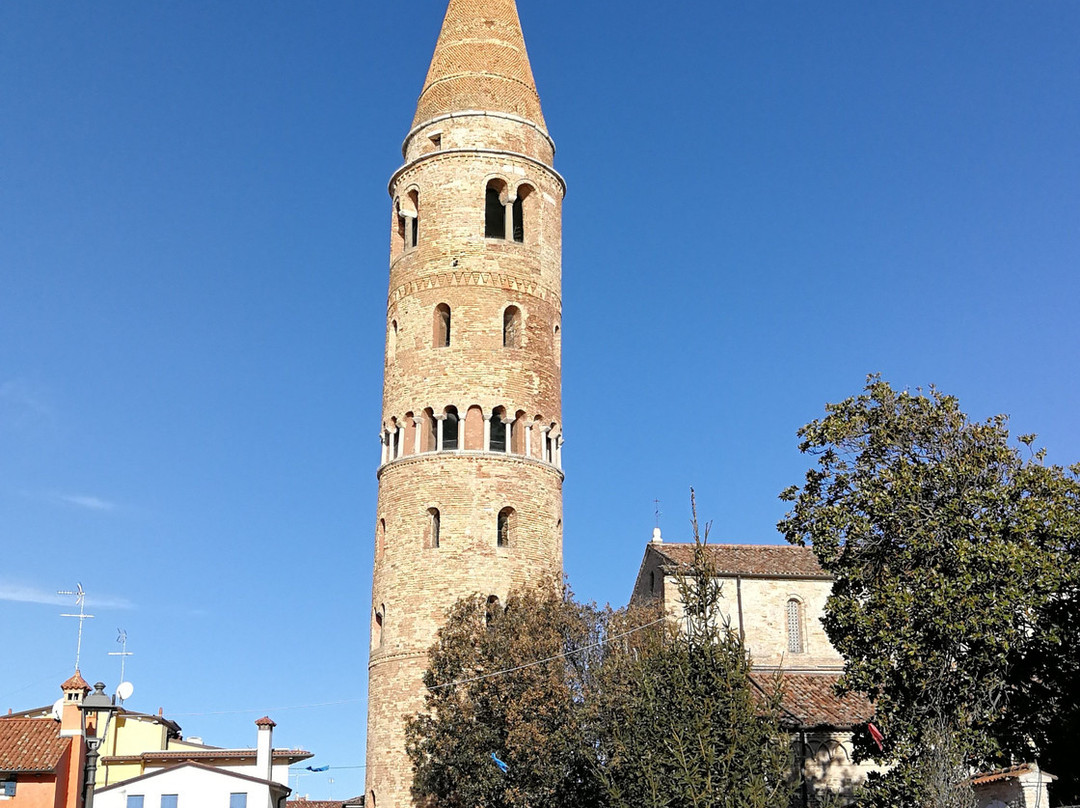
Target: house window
(238, 800)
(169, 800)
(7, 785)
(505, 527)
(794, 626)
(135, 801)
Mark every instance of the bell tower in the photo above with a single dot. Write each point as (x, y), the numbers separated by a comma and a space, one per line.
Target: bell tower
(470, 479)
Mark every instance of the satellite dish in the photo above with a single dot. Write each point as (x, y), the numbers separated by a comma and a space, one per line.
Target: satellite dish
(58, 709)
(124, 691)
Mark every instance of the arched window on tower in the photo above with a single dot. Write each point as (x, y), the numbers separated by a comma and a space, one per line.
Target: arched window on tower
(451, 425)
(512, 327)
(408, 211)
(434, 519)
(428, 432)
(505, 527)
(498, 430)
(391, 340)
(380, 539)
(795, 643)
(523, 208)
(492, 610)
(495, 210)
(377, 629)
(441, 326)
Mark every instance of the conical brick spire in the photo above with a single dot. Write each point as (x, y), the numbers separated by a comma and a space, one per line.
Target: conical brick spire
(480, 63)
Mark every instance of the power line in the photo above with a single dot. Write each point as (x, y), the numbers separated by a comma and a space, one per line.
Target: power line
(549, 659)
(436, 687)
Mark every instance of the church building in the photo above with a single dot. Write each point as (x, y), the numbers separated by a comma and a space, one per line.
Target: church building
(470, 479)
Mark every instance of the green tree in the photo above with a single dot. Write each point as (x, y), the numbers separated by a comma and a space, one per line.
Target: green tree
(955, 599)
(678, 721)
(509, 682)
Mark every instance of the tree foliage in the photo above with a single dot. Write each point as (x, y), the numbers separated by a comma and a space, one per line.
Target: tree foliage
(509, 682)
(595, 708)
(955, 603)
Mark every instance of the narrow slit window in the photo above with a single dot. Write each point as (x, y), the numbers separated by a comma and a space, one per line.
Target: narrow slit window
(505, 526)
(794, 627)
(434, 519)
(441, 337)
(512, 327)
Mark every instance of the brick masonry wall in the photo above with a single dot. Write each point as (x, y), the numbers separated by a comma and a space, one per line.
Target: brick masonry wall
(478, 278)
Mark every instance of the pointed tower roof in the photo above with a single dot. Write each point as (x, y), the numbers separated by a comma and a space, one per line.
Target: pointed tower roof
(76, 682)
(480, 63)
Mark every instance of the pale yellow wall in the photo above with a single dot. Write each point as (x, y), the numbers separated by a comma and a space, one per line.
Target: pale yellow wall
(129, 735)
(764, 619)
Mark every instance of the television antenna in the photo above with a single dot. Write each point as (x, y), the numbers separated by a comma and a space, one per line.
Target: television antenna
(659, 512)
(80, 600)
(123, 653)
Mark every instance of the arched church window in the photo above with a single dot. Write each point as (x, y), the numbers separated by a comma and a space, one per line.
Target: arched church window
(441, 335)
(495, 210)
(434, 520)
(794, 626)
(429, 431)
(505, 527)
(512, 327)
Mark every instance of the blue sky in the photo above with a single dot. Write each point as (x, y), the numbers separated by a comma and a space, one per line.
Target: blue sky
(767, 202)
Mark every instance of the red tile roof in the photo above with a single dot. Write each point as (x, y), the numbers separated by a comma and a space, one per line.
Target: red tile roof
(1010, 773)
(76, 682)
(265, 722)
(31, 744)
(810, 700)
(292, 755)
(750, 559)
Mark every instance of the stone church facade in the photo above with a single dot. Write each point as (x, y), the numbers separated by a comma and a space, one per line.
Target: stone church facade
(470, 479)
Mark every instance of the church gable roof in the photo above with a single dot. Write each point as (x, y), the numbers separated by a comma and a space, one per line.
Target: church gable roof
(31, 745)
(762, 560)
(480, 63)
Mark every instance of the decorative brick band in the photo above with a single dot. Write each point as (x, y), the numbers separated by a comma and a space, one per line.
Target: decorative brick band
(500, 153)
(499, 280)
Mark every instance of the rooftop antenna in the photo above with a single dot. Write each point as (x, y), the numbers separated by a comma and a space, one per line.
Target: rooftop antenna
(658, 512)
(123, 653)
(80, 600)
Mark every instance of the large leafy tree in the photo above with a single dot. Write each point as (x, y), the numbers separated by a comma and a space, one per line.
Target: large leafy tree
(956, 601)
(506, 682)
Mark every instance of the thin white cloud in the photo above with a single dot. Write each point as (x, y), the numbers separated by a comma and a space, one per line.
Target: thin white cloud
(25, 593)
(86, 501)
(22, 403)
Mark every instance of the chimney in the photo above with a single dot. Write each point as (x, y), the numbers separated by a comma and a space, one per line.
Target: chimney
(264, 749)
(74, 690)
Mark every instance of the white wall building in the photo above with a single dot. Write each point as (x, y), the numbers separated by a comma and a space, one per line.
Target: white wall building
(189, 783)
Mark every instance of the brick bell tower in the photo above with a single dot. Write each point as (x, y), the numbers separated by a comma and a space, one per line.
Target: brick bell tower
(470, 482)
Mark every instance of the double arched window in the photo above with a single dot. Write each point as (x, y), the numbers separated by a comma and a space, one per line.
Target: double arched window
(408, 212)
(505, 210)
